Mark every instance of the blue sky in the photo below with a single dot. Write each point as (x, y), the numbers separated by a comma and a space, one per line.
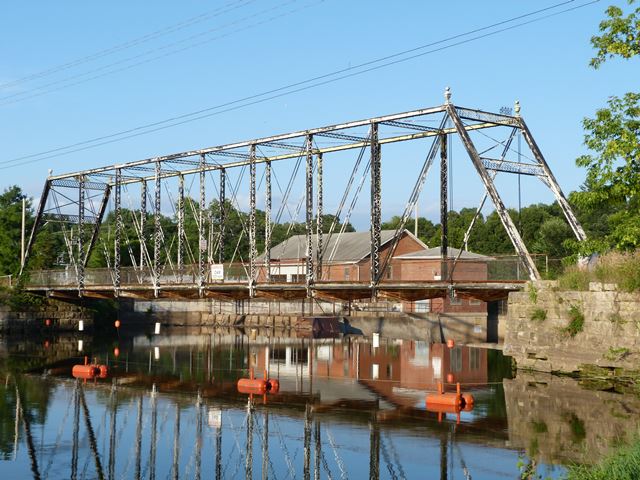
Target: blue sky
(232, 49)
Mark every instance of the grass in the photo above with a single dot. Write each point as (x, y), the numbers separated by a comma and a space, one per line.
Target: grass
(624, 464)
(616, 353)
(539, 315)
(622, 269)
(533, 293)
(576, 321)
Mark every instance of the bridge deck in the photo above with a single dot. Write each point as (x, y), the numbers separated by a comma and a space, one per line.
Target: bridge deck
(403, 291)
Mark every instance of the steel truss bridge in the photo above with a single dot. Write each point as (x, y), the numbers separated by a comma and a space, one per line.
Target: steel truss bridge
(165, 264)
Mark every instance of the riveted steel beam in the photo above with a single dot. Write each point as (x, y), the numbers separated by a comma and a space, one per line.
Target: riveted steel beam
(309, 216)
(376, 204)
(267, 223)
(253, 249)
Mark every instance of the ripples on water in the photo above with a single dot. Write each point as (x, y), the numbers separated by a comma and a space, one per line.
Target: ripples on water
(170, 408)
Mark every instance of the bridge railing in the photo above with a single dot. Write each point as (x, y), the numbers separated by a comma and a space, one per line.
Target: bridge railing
(134, 276)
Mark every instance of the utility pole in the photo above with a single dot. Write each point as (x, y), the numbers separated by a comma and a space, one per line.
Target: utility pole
(24, 226)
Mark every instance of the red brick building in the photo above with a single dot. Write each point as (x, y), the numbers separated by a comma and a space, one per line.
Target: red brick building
(347, 258)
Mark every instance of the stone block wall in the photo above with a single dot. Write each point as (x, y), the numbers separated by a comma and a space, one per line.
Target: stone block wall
(63, 316)
(539, 334)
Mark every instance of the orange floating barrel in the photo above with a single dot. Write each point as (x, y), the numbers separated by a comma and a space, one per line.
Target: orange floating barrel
(450, 378)
(104, 371)
(451, 399)
(468, 401)
(451, 343)
(116, 352)
(85, 371)
(117, 323)
(47, 322)
(255, 386)
(273, 385)
(442, 408)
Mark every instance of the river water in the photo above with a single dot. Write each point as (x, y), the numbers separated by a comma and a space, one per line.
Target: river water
(351, 407)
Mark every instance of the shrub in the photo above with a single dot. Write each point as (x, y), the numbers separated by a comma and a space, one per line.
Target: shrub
(574, 279)
(539, 315)
(576, 321)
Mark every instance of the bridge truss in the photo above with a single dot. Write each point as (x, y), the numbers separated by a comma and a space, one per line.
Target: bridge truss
(160, 259)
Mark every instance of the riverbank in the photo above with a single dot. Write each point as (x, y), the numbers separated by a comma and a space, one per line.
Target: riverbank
(593, 333)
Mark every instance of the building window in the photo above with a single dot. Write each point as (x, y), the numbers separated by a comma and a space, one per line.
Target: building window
(347, 273)
(456, 359)
(389, 273)
(474, 358)
(455, 301)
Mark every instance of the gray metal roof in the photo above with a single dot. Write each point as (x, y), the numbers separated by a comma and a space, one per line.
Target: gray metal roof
(434, 253)
(352, 246)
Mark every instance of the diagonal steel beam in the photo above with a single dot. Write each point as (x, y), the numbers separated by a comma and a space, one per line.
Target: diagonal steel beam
(507, 222)
(578, 231)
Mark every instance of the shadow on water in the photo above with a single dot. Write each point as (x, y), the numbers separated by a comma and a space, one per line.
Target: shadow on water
(346, 407)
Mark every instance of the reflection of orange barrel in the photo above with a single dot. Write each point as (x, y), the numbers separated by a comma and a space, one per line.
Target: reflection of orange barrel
(104, 371)
(255, 386)
(451, 399)
(450, 378)
(468, 401)
(273, 385)
(442, 408)
(85, 371)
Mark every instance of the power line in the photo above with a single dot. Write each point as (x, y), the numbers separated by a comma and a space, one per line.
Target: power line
(68, 81)
(128, 44)
(288, 89)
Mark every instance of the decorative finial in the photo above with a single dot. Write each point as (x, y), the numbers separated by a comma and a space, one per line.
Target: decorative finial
(50, 171)
(447, 96)
(517, 108)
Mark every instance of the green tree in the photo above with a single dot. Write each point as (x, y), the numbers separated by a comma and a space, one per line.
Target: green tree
(613, 135)
(10, 228)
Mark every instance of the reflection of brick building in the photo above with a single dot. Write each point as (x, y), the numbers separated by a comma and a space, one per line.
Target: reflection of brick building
(391, 370)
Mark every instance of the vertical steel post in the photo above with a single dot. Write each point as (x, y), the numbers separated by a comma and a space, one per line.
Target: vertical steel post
(306, 473)
(202, 242)
(309, 274)
(80, 262)
(157, 231)
(319, 213)
(143, 222)
(248, 466)
(222, 219)
(117, 244)
(374, 450)
(267, 224)
(444, 209)
(180, 252)
(176, 446)
(138, 453)
(375, 207)
(318, 451)
(218, 460)
(253, 250)
(265, 447)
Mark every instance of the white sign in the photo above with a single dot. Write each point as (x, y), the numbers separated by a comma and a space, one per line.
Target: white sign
(217, 271)
(203, 245)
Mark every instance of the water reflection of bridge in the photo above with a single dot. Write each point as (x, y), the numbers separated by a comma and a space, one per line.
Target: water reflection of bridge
(325, 384)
